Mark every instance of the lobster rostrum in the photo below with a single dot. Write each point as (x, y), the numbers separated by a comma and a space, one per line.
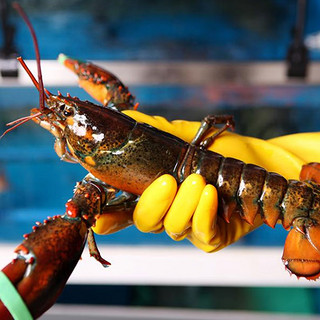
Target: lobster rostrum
(129, 156)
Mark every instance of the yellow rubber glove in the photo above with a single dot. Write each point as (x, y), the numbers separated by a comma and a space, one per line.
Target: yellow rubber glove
(303, 145)
(192, 212)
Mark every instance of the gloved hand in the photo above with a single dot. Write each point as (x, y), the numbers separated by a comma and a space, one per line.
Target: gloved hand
(192, 212)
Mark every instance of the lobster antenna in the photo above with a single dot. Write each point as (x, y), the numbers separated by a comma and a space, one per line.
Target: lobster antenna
(25, 67)
(23, 120)
(33, 79)
(36, 47)
(19, 122)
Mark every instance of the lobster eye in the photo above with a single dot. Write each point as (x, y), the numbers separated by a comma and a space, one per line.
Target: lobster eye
(68, 112)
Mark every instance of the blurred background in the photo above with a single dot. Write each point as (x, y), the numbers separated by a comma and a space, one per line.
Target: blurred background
(257, 60)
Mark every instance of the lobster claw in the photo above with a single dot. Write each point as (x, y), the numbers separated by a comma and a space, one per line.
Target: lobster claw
(101, 84)
(301, 254)
(44, 262)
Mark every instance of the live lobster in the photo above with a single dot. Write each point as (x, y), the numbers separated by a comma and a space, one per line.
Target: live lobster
(125, 154)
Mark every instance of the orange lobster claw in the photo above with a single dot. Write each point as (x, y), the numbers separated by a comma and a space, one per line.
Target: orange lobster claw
(101, 84)
(301, 254)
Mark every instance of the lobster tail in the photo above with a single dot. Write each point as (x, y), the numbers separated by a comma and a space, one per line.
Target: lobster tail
(301, 255)
(44, 262)
(246, 189)
(250, 190)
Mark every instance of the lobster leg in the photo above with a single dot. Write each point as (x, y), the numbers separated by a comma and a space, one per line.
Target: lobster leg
(207, 124)
(301, 254)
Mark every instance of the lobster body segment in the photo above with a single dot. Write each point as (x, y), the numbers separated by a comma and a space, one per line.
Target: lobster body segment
(112, 146)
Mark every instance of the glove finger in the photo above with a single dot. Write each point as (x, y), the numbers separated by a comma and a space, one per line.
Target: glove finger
(205, 216)
(178, 219)
(154, 203)
(206, 247)
(225, 234)
(112, 222)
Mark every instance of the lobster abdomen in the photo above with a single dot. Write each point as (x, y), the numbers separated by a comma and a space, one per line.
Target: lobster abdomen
(251, 190)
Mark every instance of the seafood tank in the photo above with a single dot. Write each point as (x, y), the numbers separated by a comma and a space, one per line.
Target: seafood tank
(182, 60)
